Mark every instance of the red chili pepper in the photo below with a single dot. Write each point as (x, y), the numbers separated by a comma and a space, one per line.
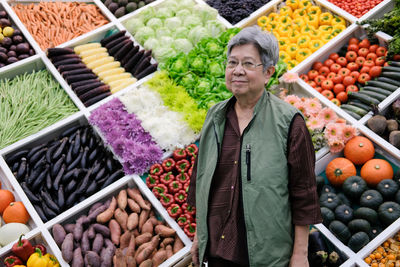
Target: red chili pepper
(166, 200)
(167, 178)
(156, 169)
(12, 260)
(168, 165)
(174, 211)
(183, 165)
(183, 178)
(192, 150)
(179, 154)
(152, 181)
(189, 209)
(160, 188)
(41, 247)
(180, 196)
(184, 219)
(190, 229)
(23, 249)
(186, 186)
(174, 187)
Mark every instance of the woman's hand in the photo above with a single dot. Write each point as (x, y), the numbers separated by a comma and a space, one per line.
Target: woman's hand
(194, 250)
(300, 247)
(299, 260)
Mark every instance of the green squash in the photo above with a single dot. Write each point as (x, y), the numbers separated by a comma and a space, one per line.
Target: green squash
(344, 199)
(367, 214)
(371, 199)
(354, 186)
(396, 177)
(320, 182)
(397, 197)
(340, 230)
(359, 225)
(327, 189)
(388, 188)
(388, 212)
(344, 213)
(375, 231)
(358, 241)
(327, 216)
(329, 200)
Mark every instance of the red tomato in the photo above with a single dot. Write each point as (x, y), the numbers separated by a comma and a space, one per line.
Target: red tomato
(338, 88)
(369, 63)
(334, 56)
(352, 66)
(348, 80)
(380, 61)
(353, 47)
(354, 40)
(335, 67)
(355, 74)
(342, 96)
(351, 88)
(364, 69)
(351, 56)
(380, 51)
(327, 85)
(373, 48)
(386, 64)
(360, 61)
(324, 70)
(317, 65)
(364, 43)
(328, 62)
(312, 83)
(396, 57)
(312, 74)
(304, 77)
(344, 72)
(336, 101)
(363, 52)
(328, 94)
(338, 78)
(375, 71)
(318, 88)
(342, 61)
(319, 79)
(364, 77)
(371, 56)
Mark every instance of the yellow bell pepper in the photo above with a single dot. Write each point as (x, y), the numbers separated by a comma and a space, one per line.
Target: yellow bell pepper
(326, 37)
(314, 10)
(325, 18)
(338, 20)
(53, 262)
(283, 41)
(262, 21)
(315, 45)
(294, 36)
(291, 64)
(284, 56)
(19, 266)
(299, 13)
(293, 4)
(291, 49)
(284, 20)
(271, 26)
(315, 35)
(325, 29)
(276, 34)
(305, 4)
(307, 30)
(286, 10)
(37, 259)
(338, 29)
(273, 17)
(302, 54)
(312, 21)
(298, 23)
(304, 41)
(284, 30)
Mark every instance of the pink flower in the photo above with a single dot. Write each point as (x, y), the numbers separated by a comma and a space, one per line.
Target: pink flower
(313, 106)
(292, 99)
(335, 145)
(333, 130)
(327, 115)
(283, 93)
(313, 123)
(301, 106)
(290, 77)
(348, 132)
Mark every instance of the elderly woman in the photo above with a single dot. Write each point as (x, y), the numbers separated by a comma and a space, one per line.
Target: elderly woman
(253, 184)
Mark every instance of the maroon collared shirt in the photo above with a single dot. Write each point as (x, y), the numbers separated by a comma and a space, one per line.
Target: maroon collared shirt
(227, 230)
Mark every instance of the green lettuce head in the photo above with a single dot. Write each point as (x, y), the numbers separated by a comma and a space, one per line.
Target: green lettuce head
(216, 69)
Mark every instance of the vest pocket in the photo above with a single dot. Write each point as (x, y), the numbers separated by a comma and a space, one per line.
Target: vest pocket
(248, 161)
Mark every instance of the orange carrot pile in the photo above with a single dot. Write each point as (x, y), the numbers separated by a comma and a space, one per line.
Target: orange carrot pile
(54, 23)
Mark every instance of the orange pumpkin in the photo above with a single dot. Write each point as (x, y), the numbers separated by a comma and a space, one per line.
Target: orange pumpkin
(359, 150)
(376, 170)
(339, 170)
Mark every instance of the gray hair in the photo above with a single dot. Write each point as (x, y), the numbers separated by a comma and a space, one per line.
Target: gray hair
(265, 42)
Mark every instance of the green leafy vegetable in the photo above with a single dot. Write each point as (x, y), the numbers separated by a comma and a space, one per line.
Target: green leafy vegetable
(280, 69)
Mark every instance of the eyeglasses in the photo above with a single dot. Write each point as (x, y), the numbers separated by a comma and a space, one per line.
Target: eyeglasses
(247, 65)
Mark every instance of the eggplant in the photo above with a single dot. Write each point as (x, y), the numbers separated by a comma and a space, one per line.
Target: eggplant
(50, 152)
(84, 158)
(39, 210)
(47, 211)
(35, 154)
(22, 169)
(60, 197)
(71, 186)
(91, 188)
(92, 142)
(70, 131)
(317, 250)
(17, 156)
(75, 163)
(113, 177)
(38, 181)
(34, 174)
(100, 174)
(32, 197)
(84, 184)
(93, 155)
(56, 167)
(96, 99)
(49, 181)
(50, 203)
(71, 199)
(15, 167)
(70, 175)
(41, 161)
(112, 37)
(69, 157)
(77, 144)
(57, 180)
(84, 136)
(60, 149)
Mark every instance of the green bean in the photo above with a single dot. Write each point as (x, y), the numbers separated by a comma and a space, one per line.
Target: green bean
(29, 103)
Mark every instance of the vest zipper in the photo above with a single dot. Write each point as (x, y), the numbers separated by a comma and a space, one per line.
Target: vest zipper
(248, 161)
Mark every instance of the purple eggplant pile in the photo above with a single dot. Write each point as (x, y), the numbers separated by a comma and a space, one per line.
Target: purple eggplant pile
(63, 172)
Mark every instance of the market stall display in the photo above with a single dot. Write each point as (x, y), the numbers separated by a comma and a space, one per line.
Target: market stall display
(123, 7)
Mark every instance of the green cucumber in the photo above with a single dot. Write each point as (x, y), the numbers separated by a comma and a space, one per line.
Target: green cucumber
(353, 114)
(354, 109)
(391, 74)
(363, 98)
(394, 63)
(388, 80)
(391, 68)
(360, 105)
(376, 90)
(383, 85)
(375, 95)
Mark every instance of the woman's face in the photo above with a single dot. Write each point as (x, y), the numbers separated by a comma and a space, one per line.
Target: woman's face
(247, 78)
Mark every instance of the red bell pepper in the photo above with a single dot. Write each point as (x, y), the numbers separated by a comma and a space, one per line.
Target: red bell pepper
(186, 186)
(160, 188)
(174, 187)
(189, 209)
(168, 165)
(184, 219)
(190, 230)
(156, 169)
(12, 260)
(179, 154)
(174, 211)
(192, 150)
(152, 181)
(167, 178)
(180, 197)
(23, 249)
(190, 171)
(182, 166)
(41, 247)
(183, 178)
(166, 200)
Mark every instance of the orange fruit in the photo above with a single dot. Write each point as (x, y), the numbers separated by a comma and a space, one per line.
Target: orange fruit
(359, 150)
(16, 212)
(376, 170)
(6, 197)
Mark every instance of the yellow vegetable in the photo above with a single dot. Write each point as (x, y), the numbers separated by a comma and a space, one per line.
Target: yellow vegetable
(298, 23)
(307, 30)
(276, 34)
(273, 16)
(117, 77)
(286, 10)
(272, 26)
(294, 36)
(108, 66)
(92, 58)
(80, 48)
(291, 64)
(99, 62)
(325, 29)
(315, 35)
(284, 56)
(338, 29)
(305, 4)
(325, 18)
(91, 52)
(293, 4)
(110, 72)
(304, 41)
(262, 21)
(312, 21)
(284, 30)
(301, 12)
(284, 20)
(291, 49)
(1, 37)
(122, 84)
(314, 10)
(315, 45)
(52, 261)
(338, 20)
(302, 54)
(326, 37)
(8, 31)
(37, 259)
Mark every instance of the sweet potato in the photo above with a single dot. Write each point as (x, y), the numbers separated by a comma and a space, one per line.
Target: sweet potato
(133, 221)
(178, 245)
(131, 246)
(148, 227)
(58, 234)
(121, 217)
(67, 247)
(102, 229)
(146, 263)
(69, 228)
(122, 199)
(78, 231)
(144, 254)
(77, 261)
(108, 243)
(133, 205)
(168, 249)
(143, 238)
(119, 259)
(130, 261)
(164, 231)
(144, 215)
(93, 259)
(91, 232)
(107, 214)
(93, 215)
(136, 232)
(94, 207)
(98, 243)
(115, 230)
(85, 245)
(154, 220)
(124, 240)
(106, 257)
(159, 257)
(135, 194)
(166, 241)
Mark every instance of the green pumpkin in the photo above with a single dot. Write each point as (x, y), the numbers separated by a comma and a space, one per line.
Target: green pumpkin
(388, 188)
(344, 199)
(327, 189)
(396, 177)
(371, 199)
(340, 230)
(320, 182)
(375, 231)
(367, 214)
(359, 225)
(358, 241)
(329, 200)
(344, 213)
(327, 216)
(388, 212)
(354, 186)
(397, 197)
